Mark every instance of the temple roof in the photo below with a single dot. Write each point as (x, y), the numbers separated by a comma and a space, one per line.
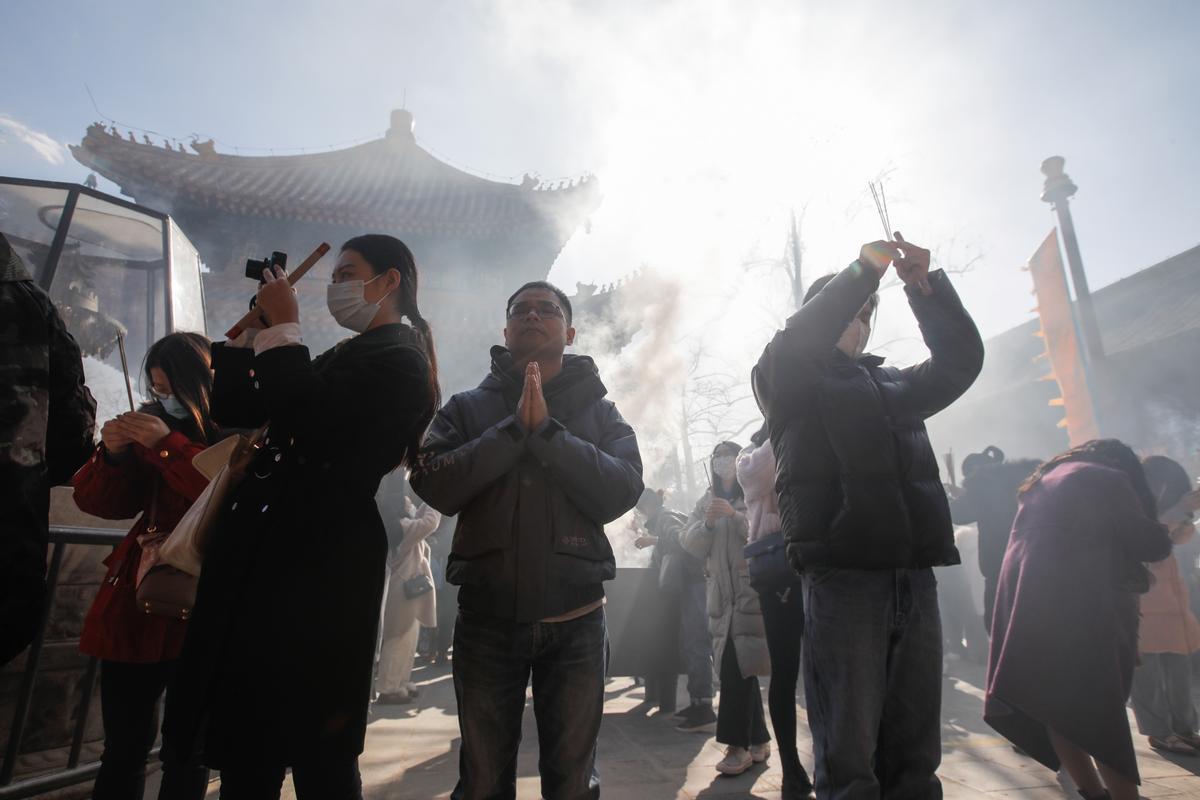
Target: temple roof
(1146, 309)
(389, 183)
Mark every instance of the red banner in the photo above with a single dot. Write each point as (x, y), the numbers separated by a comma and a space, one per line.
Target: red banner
(1062, 343)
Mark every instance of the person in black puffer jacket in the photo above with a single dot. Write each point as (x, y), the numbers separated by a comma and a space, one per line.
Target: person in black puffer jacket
(989, 499)
(535, 461)
(865, 516)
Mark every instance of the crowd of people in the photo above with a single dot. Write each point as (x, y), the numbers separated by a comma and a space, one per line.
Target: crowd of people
(812, 554)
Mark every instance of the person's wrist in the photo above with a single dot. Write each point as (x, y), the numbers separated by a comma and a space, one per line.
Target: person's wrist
(874, 267)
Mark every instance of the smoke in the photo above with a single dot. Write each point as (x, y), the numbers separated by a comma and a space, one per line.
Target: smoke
(709, 124)
(45, 146)
(643, 372)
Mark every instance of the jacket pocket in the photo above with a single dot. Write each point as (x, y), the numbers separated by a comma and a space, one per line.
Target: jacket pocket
(819, 575)
(574, 534)
(486, 525)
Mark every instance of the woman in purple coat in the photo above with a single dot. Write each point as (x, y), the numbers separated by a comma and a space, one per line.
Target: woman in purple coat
(1064, 634)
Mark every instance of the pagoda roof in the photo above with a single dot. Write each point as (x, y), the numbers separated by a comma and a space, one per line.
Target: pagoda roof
(390, 183)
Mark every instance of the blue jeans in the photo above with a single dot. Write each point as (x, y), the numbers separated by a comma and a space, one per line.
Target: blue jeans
(493, 662)
(695, 642)
(873, 679)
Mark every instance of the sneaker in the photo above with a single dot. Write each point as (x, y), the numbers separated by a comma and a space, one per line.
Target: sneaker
(760, 752)
(393, 699)
(1192, 739)
(699, 719)
(1174, 744)
(736, 761)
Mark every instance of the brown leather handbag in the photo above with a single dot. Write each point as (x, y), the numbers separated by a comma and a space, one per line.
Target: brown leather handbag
(162, 590)
(169, 587)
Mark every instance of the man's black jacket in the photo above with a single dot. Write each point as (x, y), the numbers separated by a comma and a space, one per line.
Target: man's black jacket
(858, 481)
(531, 505)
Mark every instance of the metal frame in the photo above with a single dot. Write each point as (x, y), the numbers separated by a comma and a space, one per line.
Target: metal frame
(74, 190)
(60, 537)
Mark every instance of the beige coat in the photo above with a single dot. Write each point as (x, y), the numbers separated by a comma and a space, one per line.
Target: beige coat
(1168, 624)
(408, 560)
(733, 607)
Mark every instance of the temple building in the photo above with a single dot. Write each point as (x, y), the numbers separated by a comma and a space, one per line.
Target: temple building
(1145, 389)
(474, 239)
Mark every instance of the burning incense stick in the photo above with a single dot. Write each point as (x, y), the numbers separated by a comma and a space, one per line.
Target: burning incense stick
(881, 208)
(125, 368)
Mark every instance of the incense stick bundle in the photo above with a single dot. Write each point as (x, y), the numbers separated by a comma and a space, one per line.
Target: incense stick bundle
(256, 313)
(881, 208)
(125, 368)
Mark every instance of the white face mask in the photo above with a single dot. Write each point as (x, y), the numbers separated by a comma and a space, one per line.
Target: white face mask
(854, 338)
(348, 304)
(724, 467)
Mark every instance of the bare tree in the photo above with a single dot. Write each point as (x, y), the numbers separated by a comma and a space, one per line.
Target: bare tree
(714, 406)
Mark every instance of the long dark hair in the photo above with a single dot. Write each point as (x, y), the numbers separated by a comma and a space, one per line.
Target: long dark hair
(382, 253)
(730, 493)
(186, 360)
(1107, 452)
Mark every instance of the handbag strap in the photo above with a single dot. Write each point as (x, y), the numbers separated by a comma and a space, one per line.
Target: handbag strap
(152, 513)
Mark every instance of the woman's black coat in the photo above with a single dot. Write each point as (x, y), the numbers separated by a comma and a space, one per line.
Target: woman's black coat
(278, 658)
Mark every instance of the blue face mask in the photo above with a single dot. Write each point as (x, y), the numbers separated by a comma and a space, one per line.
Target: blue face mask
(172, 406)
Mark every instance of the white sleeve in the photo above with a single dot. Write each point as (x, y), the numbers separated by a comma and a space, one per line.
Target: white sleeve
(281, 335)
(243, 340)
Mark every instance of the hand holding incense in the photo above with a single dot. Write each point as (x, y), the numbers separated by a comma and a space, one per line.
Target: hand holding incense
(256, 313)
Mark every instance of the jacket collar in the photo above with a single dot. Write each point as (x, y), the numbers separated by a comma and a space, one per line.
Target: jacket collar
(867, 360)
(576, 387)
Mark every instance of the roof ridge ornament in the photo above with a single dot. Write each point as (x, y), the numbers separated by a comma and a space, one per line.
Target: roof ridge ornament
(403, 125)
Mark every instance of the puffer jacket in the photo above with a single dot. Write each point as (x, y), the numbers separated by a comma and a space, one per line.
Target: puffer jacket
(531, 505)
(733, 607)
(858, 480)
(756, 474)
(667, 526)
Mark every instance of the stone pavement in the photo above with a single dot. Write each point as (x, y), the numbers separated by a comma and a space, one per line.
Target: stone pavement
(412, 753)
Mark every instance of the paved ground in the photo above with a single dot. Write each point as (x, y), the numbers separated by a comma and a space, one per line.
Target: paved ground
(412, 753)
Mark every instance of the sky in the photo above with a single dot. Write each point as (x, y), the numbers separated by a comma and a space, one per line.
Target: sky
(708, 123)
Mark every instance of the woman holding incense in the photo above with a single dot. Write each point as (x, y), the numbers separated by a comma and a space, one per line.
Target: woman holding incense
(717, 534)
(279, 654)
(144, 466)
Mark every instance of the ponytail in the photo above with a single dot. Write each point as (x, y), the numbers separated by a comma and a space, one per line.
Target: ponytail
(421, 326)
(382, 253)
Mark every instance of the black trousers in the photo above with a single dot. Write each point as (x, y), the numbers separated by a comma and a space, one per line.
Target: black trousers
(783, 618)
(447, 613)
(662, 672)
(740, 720)
(129, 696)
(315, 779)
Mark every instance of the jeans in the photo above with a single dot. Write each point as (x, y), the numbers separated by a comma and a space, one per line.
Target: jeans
(873, 678)
(129, 696)
(695, 643)
(740, 720)
(493, 662)
(1162, 695)
(333, 779)
(783, 618)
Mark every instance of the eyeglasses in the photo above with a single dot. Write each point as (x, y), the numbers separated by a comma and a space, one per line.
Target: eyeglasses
(544, 308)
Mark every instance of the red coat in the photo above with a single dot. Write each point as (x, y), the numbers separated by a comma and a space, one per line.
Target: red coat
(115, 628)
